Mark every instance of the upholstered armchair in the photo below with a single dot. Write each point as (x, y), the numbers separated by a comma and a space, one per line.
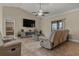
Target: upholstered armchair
(56, 38)
(46, 43)
(10, 48)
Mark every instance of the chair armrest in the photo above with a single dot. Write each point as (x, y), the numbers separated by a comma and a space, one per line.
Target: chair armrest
(42, 38)
(11, 43)
(46, 43)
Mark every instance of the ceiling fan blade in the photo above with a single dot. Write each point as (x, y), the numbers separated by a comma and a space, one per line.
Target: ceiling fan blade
(46, 12)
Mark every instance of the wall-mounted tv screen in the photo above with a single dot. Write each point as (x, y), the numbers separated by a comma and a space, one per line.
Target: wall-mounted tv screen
(28, 23)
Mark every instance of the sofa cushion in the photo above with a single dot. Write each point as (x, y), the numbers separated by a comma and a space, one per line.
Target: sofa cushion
(52, 36)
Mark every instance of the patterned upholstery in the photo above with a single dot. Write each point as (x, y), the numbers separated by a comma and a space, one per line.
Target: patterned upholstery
(56, 38)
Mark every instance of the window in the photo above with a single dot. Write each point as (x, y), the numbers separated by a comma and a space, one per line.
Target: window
(56, 25)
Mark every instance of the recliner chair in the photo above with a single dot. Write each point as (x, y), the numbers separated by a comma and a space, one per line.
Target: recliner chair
(57, 37)
(12, 48)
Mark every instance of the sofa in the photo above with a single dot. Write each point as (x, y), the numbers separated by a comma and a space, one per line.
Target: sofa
(56, 38)
(11, 48)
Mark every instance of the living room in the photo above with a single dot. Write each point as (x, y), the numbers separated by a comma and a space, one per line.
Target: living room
(22, 28)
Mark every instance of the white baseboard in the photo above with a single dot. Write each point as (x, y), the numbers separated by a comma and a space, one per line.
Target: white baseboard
(73, 40)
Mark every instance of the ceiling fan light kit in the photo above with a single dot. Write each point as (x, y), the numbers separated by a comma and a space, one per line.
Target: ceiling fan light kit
(40, 12)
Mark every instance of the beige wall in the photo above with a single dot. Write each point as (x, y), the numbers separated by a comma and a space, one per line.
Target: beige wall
(71, 23)
(71, 20)
(46, 25)
(1, 20)
(18, 14)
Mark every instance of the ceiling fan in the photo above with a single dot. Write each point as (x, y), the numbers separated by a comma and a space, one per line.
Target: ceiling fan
(40, 12)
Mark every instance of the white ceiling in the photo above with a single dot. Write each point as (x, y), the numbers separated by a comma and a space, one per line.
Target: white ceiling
(53, 8)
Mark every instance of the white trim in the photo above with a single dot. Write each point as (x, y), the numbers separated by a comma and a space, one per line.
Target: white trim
(73, 40)
(68, 12)
(61, 14)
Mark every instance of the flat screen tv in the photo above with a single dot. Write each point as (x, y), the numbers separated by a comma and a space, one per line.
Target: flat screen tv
(28, 23)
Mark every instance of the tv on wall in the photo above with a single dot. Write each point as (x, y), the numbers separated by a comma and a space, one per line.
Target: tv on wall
(28, 23)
